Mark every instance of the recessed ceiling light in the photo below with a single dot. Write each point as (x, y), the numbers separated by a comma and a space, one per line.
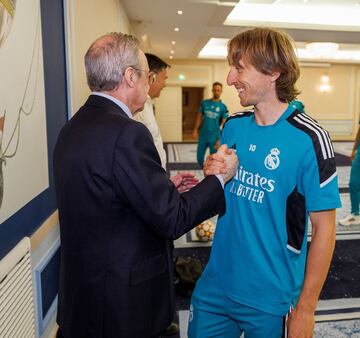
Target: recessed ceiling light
(337, 16)
(171, 57)
(172, 51)
(180, 12)
(173, 42)
(176, 29)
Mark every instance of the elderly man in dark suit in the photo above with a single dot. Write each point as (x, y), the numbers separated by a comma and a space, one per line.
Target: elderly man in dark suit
(117, 207)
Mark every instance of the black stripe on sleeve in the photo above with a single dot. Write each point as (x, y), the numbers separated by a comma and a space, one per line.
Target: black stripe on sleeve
(295, 220)
(321, 143)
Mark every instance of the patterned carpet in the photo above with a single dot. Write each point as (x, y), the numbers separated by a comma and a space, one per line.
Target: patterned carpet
(338, 312)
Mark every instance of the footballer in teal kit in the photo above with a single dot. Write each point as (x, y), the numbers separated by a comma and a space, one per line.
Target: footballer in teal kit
(212, 113)
(259, 268)
(286, 170)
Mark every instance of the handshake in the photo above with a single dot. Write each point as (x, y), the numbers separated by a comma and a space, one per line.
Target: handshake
(224, 163)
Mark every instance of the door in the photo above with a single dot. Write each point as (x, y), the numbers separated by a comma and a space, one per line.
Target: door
(191, 100)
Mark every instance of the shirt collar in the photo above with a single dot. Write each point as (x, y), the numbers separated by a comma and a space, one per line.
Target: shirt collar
(122, 105)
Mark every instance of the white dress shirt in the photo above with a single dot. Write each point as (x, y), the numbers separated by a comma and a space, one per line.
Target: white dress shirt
(147, 117)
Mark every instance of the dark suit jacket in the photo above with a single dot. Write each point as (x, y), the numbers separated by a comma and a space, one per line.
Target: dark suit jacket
(117, 210)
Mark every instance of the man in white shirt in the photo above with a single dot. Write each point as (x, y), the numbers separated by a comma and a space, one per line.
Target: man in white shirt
(157, 81)
(158, 69)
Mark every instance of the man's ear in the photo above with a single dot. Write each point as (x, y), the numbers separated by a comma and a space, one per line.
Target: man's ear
(129, 76)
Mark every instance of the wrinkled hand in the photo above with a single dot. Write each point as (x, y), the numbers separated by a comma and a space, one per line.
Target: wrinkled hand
(184, 181)
(224, 162)
(300, 324)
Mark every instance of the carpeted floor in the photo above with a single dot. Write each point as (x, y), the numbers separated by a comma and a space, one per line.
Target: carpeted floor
(342, 282)
(344, 276)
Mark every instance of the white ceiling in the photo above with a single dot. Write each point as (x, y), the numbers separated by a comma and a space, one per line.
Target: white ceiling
(153, 21)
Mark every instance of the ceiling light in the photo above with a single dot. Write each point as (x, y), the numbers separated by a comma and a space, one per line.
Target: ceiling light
(328, 51)
(180, 12)
(173, 42)
(337, 16)
(323, 46)
(215, 48)
(176, 29)
(182, 77)
(325, 88)
(171, 57)
(172, 51)
(322, 50)
(325, 79)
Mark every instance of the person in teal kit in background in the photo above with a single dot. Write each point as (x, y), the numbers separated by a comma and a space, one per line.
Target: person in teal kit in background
(212, 114)
(354, 218)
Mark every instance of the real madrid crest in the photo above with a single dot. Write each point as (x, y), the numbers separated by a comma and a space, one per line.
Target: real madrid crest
(272, 161)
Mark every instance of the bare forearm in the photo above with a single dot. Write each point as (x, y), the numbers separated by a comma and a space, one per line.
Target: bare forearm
(301, 321)
(197, 122)
(222, 123)
(318, 262)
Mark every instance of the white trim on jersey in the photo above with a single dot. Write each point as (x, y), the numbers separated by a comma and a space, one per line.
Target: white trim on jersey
(328, 180)
(326, 137)
(293, 249)
(323, 149)
(332, 148)
(239, 113)
(326, 133)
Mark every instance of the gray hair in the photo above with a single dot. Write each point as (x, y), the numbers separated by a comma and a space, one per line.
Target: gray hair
(107, 59)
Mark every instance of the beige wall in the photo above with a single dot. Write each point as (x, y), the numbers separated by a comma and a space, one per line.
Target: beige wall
(337, 110)
(88, 20)
(169, 117)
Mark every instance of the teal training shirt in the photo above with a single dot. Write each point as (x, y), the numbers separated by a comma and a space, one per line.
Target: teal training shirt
(285, 170)
(212, 112)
